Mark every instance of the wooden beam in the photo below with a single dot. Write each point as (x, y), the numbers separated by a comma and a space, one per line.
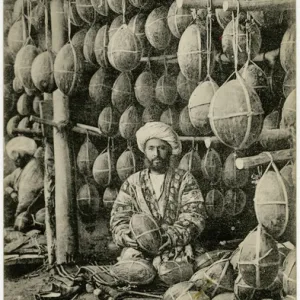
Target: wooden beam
(28, 132)
(275, 139)
(264, 158)
(65, 202)
(229, 5)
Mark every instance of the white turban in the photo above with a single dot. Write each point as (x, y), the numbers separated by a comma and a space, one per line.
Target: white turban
(20, 145)
(158, 130)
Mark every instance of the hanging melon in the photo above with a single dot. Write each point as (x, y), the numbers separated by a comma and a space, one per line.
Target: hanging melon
(8, 72)
(17, 86)
(23, 63)
(12, 124)
(109, 196)
(192, 53)
(101, 7)
(130, 122)
(17, 36)
(259, 259)
(86, 11)
(267, 19)
(88, 200)
(185, 124)
(179, 19)
(70, 10)
(117, 6)
(42, 72)
(144, 88)
(137, 26)
(289, 274)
(171, 117)
(191, 162)
(166, 90)
(108, 121)
(288, 118)
(100, 87)
(211, 166)
(69, 70)
(157, 29)
(78, 38)
(37, 16)
(199, 104)
(254, 38)
(114, 26)
(122, 91)
(142, 4)
(152, 114)
(104, 168)
(234, 202)
(89, 42)
(185, 87)
(100, 46)
(43, 41)
(124, 50)
(214, 204)
(271, 121)
(232, 176)
(236, 114)
(36, 104)
(127, 164)
(289, 83)
(86, 157)
(288, 49)
(24, 105)
(223, 17)
(18, 10)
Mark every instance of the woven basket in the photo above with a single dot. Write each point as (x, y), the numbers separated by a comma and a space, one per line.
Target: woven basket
(100, 46)
(130, 122)
(288, 49)
(185, 87)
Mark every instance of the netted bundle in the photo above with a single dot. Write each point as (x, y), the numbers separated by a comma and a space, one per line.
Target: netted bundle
(185, 87)
(100, 87)
(171, 117)
(208, 258)
(172, 272)
(166, 89)
(232, 176)
(185, 124)
(109, 196)
(78, 38)
(183, 290)
(214, 204)
(223, 17)
(104, 168)
(144, 88)
(288, 117)
(117, 6)
(114, 26)
(24, 105)
(146, 232)
(255, 41)
(288, 49)
(133, 272)
(17, 86)
(108, 121)
(192, 53)
(101, 7)
(36, 104)
(31, 181)
(86, 11)
(23, 222)
(211, 166)
(219, 278)
(23, 63)
(152, 113)
(17, 36)
(259, 259)
(122, 92)
(8, 72)
(157, 29)
(124, 50)
(289, 274)
(289, 83)
(127, 164)
(199, 104)
(142, 4)
(243, 291)
(86, 157)
(100, 46)
(191, 162)
(234, 201)
(70, 10)
(88, 200)
(69, 71)
(236, 114)
(179, 19)
(130, 122)
(12, 124)
(89, 42)
(42, 73)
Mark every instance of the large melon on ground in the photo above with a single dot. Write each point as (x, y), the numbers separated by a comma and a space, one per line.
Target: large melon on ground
(183, 291)
(288, 49)
(208, 258)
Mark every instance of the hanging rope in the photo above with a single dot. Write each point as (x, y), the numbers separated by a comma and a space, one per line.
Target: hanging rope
(46, 24)
(69, 21)
(209, 36)
(124, 11)
(24, 23)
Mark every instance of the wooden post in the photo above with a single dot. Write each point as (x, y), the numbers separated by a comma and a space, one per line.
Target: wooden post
(65, 209)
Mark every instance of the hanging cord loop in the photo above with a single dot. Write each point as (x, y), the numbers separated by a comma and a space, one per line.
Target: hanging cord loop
(208, 36)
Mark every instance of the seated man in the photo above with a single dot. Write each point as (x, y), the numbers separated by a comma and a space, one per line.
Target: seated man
(171, 196)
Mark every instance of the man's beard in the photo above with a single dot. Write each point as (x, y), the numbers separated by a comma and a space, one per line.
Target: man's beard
(158, 164)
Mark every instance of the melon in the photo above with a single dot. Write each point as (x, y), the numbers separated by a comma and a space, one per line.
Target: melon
(8, 72)
(88, 200)
(23, 222)
(185, 87)
(142, 4)
(234, 202)
(36, 104)
(191, 162)
(198, 278)
(288, 49)
(223, 17)
(208, 258)
(70, 10)
(24, 105)
(127, 164)
(289, 274)
(86, 11)
(130, 122)
(267, 19)
(214, 204)
(17, 36)
(89, 43)
(289, 83)
(78, 38)
(109, 196)
(108, 121)
(100, 47)
(152, 113)
(24, 123)
(171, 117)
(180, 289)
(101, 7)
(12, 124)
(114, 26)
(225, 296)
(166, 90)
(288, 118)
(271, 121)
(37, 15)
(117, 6)
(185, 124)
(211, 166)
(17, 86)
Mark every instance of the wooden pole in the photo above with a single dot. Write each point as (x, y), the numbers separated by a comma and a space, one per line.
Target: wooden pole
(244, 4)
(65, 205)
(263, 158)
(275, 139)
(28, 132)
